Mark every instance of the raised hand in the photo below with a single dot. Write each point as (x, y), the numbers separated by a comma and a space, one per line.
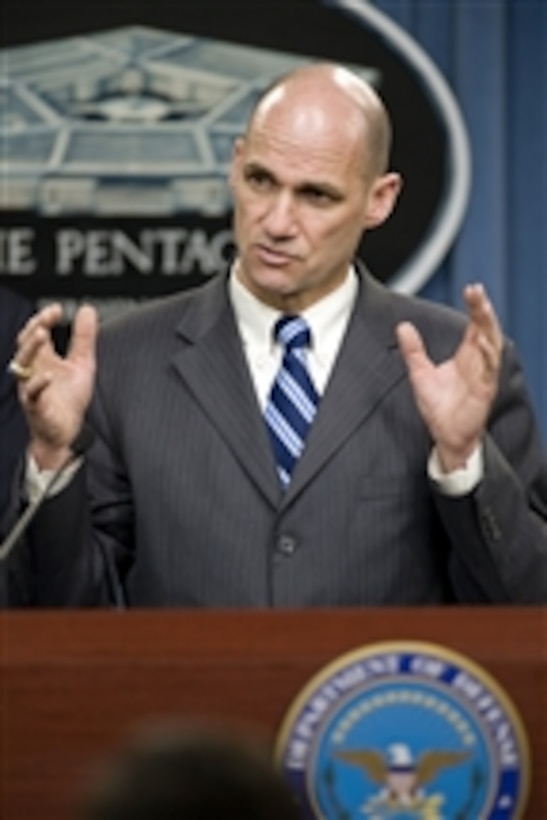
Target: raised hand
(55, 391)
(455, 397)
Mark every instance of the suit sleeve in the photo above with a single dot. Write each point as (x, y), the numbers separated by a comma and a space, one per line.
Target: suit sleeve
(76, 549)
(499, 531)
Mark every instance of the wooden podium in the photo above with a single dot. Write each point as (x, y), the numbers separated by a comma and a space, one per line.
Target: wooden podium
(73, 682)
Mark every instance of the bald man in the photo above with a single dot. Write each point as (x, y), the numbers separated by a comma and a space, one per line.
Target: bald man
(412, 472)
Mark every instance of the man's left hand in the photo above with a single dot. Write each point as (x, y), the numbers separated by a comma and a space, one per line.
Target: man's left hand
(455, 397)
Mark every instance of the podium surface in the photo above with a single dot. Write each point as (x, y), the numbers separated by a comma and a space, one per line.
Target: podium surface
(72, 683)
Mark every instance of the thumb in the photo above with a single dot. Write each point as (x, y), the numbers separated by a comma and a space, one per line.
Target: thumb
(411, 346)
(84, 335)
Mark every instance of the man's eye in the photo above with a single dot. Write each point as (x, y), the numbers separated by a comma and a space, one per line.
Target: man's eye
(318, 196)
(258, 179)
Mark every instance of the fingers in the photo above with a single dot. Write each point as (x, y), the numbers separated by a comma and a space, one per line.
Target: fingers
(43, 320)
(482, 314)
(36, 336)
(36, 362)
(84, 335)
(30, 390)
(33, 338)
(55, 390)
(485, 329)
(411, 345)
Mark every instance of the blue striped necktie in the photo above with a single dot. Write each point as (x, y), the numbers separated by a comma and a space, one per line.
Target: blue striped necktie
(292, 403)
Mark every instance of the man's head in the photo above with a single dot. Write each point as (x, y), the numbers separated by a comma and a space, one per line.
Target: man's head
(308, 177)
(190, 773)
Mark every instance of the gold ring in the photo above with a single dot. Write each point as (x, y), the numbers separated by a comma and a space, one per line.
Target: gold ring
(20, 372)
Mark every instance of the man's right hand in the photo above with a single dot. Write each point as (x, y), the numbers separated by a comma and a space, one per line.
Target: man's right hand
(56, 390)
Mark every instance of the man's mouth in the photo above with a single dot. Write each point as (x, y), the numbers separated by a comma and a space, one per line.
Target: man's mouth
(273, 257)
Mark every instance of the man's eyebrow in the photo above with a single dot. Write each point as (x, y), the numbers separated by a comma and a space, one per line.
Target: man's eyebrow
(305, 186)
(253, 165)
(319, 186)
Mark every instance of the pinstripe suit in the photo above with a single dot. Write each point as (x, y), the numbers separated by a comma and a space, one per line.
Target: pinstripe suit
(185, 502)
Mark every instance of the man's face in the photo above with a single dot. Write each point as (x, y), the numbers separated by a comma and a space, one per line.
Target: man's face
(301, 203)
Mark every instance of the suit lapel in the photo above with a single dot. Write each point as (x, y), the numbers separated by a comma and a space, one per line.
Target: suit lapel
(212, 364)
(368, 366)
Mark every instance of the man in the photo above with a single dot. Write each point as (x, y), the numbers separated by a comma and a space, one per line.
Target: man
(421, 479)
(189, 772)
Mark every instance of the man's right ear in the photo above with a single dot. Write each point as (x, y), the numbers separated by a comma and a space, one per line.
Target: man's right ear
(237, 152)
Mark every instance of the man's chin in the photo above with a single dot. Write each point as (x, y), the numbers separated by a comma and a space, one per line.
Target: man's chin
(272, 279)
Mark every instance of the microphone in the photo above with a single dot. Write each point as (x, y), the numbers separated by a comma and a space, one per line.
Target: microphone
(79, 447)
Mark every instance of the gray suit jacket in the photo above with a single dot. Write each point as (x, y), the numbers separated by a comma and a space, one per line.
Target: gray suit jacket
(179, 503)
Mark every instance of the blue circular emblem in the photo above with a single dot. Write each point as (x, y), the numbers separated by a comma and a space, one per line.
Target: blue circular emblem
(405, 731)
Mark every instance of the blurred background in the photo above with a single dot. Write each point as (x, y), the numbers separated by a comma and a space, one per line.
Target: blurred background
(118, 118)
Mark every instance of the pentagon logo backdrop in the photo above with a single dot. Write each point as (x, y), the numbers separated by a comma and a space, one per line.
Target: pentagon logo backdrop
(118, 122)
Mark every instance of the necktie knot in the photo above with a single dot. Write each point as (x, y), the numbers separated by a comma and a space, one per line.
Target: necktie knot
(292, 332)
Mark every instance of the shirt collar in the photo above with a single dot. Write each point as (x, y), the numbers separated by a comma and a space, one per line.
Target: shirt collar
(255, 319)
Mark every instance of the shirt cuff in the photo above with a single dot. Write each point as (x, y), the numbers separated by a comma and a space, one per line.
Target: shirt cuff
(36, 480)
(458, 482)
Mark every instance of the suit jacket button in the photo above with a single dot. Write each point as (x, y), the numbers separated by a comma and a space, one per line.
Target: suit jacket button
(286, 545)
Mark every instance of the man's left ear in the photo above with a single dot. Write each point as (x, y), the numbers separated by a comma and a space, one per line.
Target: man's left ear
(382, 198)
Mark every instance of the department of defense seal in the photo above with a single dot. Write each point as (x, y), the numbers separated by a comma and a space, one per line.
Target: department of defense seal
(405, 731)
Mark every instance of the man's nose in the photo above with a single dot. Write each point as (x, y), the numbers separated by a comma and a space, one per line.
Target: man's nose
(280, 217)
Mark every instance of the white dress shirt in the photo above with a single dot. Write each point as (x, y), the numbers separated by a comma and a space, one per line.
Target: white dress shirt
(327, 319)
